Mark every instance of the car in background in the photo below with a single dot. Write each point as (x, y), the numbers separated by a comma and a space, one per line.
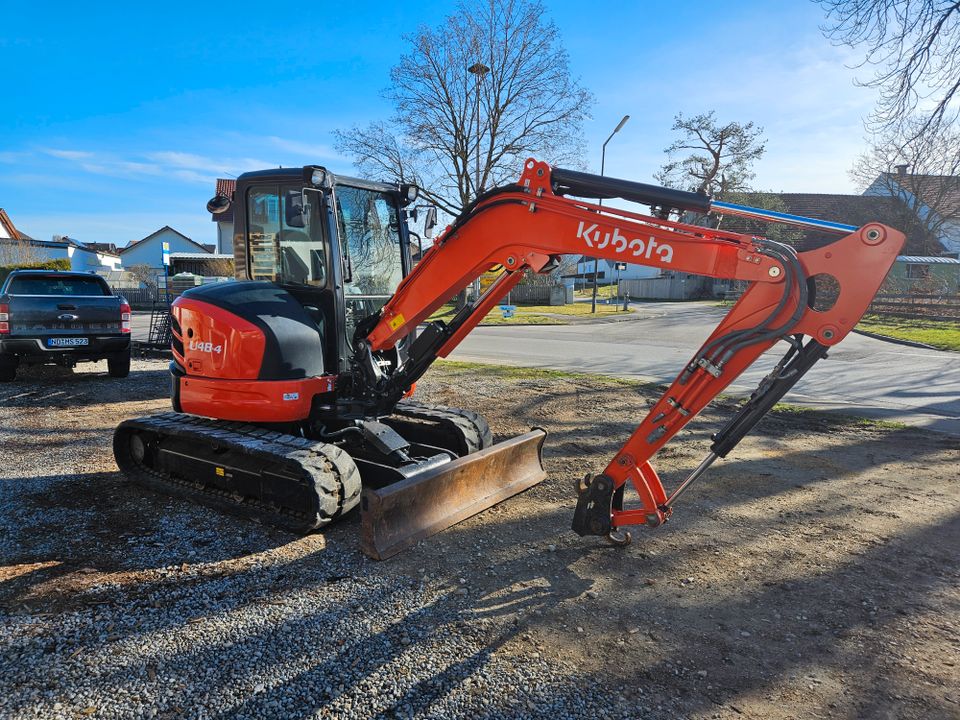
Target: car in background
(52, 317)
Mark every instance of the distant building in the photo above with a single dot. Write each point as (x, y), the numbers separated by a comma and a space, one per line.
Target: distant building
(923, 275)
(204, 264)
(18, 247)
(7, 229)
(224, 221)
(607, 273)
(149, 250)
(934, 199)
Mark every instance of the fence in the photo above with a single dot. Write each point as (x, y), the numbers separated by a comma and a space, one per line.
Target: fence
(139, 298)
(918, 307)
(541, 295)
(668, 288)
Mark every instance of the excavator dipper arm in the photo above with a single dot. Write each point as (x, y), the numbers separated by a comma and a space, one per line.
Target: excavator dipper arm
(820, 294)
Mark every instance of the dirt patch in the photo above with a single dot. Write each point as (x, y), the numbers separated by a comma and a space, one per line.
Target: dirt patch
(813, 573)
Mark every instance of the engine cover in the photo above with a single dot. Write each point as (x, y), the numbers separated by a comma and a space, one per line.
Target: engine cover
(250, 330)
(246, 351)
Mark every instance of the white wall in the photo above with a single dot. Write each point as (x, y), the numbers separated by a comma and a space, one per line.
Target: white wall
(150, 252)
(88, 261)
(225, 238)
(633, 272)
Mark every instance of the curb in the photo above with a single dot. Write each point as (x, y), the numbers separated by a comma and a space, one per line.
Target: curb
(895, 341)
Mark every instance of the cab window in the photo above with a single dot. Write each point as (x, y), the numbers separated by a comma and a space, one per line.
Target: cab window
(284, 236)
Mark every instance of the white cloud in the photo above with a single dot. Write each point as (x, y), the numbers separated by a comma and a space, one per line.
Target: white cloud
(69, 154)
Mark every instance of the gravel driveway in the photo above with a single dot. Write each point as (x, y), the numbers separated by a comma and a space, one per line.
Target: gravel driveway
(816, 574)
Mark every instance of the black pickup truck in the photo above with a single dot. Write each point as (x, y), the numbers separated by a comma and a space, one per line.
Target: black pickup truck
(52, 317)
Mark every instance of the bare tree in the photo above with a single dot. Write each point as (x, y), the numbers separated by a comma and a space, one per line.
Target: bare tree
(914, 46)
(500, 65)
(718, 157)
(145, 274)
(780, 232)
(922, 169)
(220, 267)
(18, 251)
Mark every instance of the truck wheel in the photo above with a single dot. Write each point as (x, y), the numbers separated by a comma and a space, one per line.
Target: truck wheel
(8, 368)
(119, 366)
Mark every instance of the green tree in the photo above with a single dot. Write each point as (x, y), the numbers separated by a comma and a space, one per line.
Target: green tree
(715, 158)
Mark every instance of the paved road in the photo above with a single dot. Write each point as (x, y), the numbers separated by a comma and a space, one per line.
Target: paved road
(862, 376)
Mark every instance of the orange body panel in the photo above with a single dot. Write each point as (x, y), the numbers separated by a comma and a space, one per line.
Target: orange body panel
(217, 343)
(257, 401)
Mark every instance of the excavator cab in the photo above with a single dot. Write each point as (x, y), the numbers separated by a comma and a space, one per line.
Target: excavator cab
(339, 245)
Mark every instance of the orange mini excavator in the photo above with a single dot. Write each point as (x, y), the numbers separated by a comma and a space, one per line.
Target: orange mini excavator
(291, 386)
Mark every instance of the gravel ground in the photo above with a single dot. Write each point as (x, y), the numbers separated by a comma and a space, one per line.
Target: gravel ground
(815, 575)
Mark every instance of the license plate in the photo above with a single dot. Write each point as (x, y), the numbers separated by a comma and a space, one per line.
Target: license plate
(67, 342)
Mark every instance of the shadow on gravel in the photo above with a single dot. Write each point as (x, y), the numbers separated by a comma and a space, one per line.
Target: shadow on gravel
(823, 624)
(57, 387)
(98, 523)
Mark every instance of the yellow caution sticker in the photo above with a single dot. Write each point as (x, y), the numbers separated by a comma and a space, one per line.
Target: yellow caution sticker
(221, 472)
(396, 321)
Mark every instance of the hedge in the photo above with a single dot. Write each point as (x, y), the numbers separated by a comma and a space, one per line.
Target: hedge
(58, 264)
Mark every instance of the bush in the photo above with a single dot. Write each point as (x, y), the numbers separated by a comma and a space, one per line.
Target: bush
(58, 264)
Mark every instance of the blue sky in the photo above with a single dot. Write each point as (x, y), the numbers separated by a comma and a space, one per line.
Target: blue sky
(116, 118)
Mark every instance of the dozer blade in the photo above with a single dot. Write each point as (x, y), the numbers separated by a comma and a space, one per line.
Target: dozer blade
(400, 515)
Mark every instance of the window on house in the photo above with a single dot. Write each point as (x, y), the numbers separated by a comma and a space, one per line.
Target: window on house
(915, 271)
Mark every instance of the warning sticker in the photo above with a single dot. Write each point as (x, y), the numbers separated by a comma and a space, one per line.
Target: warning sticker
(220, 471)
(396, 321)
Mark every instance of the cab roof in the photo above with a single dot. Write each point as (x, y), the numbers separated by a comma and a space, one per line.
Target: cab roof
(297, 173)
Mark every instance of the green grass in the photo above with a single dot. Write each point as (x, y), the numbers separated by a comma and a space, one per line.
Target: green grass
(833, 418)
(605, 292)
(513, 372)
(941, 334)
(516, 372)
(537, 314)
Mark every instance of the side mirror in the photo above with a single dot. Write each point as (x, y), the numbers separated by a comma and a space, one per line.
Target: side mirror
(219, 204)
(429, 221)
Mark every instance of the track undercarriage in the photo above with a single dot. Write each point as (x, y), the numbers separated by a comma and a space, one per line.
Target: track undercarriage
(300, 484)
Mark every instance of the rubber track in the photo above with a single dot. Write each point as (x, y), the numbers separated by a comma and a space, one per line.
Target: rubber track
(335, 477)
(472, 427)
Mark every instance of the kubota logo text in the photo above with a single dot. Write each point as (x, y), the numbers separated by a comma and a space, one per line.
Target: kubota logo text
(637, 247)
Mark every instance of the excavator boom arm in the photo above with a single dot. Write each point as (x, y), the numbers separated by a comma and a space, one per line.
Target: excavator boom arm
(820, 294)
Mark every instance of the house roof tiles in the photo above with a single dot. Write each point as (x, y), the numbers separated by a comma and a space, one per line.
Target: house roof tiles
(225, 187)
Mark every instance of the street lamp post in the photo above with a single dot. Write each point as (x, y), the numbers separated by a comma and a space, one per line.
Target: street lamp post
(603, 159)
(478, 69)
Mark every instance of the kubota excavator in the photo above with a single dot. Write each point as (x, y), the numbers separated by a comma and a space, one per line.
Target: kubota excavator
(291, 386)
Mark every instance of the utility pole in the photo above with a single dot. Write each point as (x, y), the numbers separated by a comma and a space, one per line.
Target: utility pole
(478, 69)
(603, 159)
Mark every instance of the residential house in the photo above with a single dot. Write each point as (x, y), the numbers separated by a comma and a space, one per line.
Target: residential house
(149, 250)
(607, 273)
(16, 247)
(224, 221)
(7, 229)
(934, 199)
(924, 275)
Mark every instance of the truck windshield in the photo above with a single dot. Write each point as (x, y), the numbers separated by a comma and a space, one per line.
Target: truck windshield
(56, 285)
